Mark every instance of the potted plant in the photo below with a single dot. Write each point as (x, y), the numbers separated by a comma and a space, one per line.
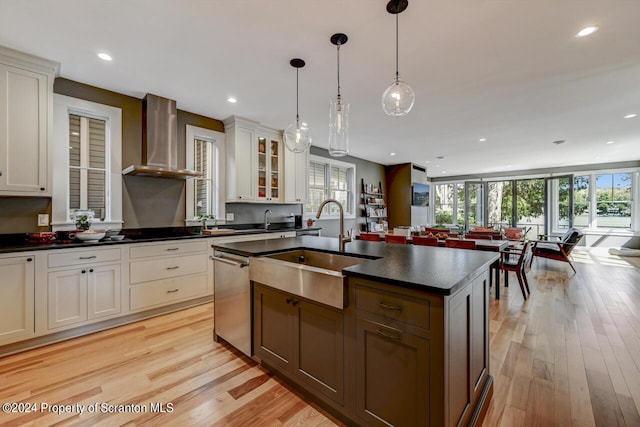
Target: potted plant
(204, 218)
(83, 223)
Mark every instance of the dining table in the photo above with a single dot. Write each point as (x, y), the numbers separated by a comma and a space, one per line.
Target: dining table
(481, 245)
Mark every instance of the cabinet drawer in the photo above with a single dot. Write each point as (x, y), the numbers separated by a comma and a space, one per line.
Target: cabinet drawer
(394, 306)
(164, 268)
(170, 248)
(168, 291)
(67, 258)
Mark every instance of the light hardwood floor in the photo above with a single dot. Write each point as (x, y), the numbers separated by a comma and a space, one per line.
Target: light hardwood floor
(569, 356)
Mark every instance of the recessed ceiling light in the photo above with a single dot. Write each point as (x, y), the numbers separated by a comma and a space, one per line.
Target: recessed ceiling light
(630, 116)
(437, 166)
(427, 162)
(232, 100)
(508, 166)
(560, 141)
(444, 171)
(482, 139)
(587, 31)
(610, 142)
(392, 154)
(105, 56)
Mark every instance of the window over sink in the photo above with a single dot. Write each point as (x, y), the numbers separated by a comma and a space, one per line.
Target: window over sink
(87, 147)
(329, 178)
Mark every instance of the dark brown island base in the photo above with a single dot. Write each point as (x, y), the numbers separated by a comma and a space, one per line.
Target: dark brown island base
(389, 335)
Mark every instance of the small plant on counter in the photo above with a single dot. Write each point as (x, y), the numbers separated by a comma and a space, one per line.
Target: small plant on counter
(204, 218)
(83, 223)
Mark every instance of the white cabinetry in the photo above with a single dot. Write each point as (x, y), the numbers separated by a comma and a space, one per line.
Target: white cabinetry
(254, 162)
(168, 272)
(26, 100)
(83, 286)
(296, 174)
(17, 283)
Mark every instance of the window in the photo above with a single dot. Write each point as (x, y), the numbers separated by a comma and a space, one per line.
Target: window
(581, 201)
(87, 152)
(205, 154)
(613, 200)
(87, 165)
(444, 203)
(329, 178)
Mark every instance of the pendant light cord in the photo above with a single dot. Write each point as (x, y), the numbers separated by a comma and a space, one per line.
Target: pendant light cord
(397, 73)
(297, 96)
(338, 50)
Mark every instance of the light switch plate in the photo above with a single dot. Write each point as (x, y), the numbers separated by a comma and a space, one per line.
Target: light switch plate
(43, 220)
(229, 216)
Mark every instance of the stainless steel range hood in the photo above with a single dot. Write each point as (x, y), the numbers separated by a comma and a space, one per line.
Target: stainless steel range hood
(159, 141)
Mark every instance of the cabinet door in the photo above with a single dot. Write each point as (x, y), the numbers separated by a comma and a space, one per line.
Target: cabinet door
(103, 291)
(273, 327)
(23, 140)
(268, 174)
(16, 299)
(296, 176)
(468, 351)
(243, 165)
(67, 297)
(319, 348)
(392, 376)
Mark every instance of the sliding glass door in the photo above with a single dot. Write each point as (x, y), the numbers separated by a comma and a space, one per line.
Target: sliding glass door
(475, 202)
(530, 206)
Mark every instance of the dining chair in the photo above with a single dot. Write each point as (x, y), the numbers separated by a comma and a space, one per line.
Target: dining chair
(514, 233)
(460, 244)
(514, 259)
(482, 236)
(371, 237)
(425, 241)
(394, 238)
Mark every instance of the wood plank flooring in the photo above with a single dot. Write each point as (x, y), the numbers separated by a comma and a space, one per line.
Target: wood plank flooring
(569, 356)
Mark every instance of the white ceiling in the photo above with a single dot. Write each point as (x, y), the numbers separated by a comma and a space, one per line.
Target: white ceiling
(510, 71)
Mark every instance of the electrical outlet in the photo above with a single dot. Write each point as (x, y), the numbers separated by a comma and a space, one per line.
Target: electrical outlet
(229, 216)
(43, 220)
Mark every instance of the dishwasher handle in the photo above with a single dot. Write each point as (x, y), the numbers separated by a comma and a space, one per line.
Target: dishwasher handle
(221, 258)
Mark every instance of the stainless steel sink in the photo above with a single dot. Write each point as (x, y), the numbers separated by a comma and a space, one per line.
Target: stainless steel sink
(309, 274)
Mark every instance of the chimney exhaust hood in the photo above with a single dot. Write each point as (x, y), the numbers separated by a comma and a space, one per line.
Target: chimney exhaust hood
(160, 141)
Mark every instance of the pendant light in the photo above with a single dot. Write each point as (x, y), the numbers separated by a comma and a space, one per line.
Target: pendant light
(338, 111)
(398, 99)
(297, 136)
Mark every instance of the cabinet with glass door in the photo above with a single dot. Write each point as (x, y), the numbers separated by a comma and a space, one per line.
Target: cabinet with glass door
(269, 166)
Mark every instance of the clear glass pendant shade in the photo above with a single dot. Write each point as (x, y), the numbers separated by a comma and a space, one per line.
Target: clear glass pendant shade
(398, 99)
(338, 128)
(297, 137)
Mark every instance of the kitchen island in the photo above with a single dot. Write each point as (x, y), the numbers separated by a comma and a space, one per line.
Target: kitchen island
(409, 344)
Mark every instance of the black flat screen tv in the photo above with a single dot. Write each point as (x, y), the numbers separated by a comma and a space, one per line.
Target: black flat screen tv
(420, 195)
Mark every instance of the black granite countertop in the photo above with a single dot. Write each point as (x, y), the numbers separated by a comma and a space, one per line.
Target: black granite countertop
(19, 243)
(437, 270)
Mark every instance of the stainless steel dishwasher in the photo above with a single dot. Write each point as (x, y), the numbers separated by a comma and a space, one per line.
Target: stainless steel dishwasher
(232, 306)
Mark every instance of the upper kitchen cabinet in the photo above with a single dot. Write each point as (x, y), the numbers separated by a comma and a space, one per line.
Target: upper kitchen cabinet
(254, 162)
(26, 120)
(296, 176)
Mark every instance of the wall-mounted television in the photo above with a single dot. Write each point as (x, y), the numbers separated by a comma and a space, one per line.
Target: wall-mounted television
(420, 194)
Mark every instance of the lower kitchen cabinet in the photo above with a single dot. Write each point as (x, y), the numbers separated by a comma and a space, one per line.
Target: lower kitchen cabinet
(301, 338)
(392, 376)
(17, 298)
(83, 293)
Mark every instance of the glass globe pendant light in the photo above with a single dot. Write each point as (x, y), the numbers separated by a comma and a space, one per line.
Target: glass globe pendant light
(338, 112)
(297, 136)
(398, 99)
